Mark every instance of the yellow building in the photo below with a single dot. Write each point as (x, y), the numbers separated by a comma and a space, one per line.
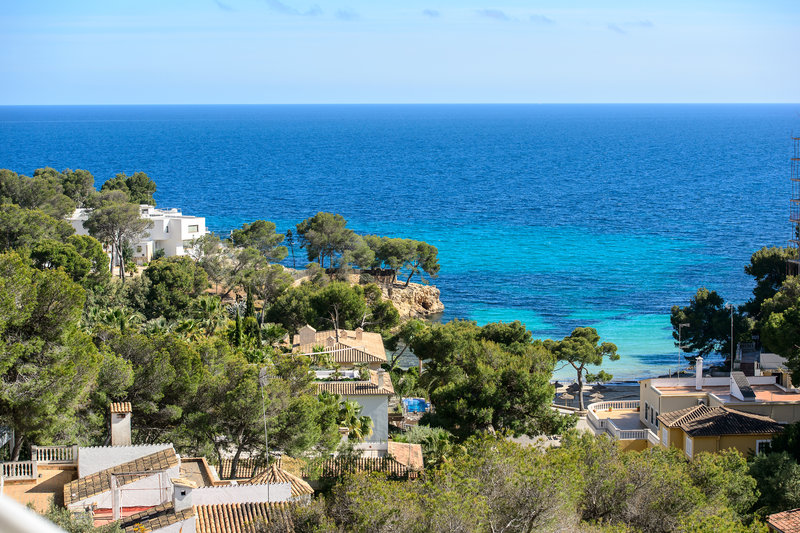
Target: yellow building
(636, 423)
(713, 429)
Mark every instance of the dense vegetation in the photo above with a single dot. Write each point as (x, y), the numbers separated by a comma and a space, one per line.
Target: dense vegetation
(190, 341)
(491, 484)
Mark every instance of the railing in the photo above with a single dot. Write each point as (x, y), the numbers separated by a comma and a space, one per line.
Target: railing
(625, 434)
(19, 470)
(653, 438)
(55, 454)
(608, 425)
(598, 423)
(615, 406)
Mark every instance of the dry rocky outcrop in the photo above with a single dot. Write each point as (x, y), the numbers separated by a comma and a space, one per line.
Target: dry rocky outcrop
(414, 301)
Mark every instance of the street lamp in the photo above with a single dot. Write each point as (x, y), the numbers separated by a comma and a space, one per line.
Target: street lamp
(730, 306)
(680, 346)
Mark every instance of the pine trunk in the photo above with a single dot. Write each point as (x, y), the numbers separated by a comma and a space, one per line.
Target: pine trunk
(17, 447)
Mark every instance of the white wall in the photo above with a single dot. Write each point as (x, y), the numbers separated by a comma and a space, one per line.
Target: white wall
(278, 492)
(96, 458)
(377, 408)
(149, 491)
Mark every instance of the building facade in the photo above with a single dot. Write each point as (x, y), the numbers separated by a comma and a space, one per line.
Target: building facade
(172, 231)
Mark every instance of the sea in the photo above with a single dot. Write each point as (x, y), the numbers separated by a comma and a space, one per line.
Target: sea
(555, 215)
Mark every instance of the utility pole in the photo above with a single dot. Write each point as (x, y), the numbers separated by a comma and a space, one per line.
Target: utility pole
(730, 306)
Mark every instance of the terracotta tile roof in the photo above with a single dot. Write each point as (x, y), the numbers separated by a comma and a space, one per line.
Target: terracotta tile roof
(785, 522)
(241, 517)
(121, 407)
(369, 348)
(704, 421)
(274, 474)
(342, 353)
(358, 388)
(155, 518)
(99, 482)
(244, 470)
(339, 466)
(407, 454)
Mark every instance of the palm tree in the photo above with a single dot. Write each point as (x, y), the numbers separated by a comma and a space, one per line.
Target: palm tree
(123, 318)
(156, 326)
(358, 427)
(189, 329)
(209, 311)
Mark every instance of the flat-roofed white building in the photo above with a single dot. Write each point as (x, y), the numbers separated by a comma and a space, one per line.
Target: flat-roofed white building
(172, 231)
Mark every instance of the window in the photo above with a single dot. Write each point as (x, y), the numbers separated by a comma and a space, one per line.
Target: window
(688, 445)
(166, 228)
(194, 228)
(646, 412)
(763, 446)
(665, 436)
(139, 249)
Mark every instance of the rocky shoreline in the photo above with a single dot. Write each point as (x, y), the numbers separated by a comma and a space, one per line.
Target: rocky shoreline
(415, 300)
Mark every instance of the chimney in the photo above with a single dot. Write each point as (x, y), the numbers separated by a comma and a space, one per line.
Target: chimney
(359, 334)
(330, 342)
(307, 335)
(182, 494)
(698, 373)
(381, 374)
(121, 424)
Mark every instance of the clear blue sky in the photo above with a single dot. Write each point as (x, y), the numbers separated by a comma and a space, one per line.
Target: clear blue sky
(354, 51)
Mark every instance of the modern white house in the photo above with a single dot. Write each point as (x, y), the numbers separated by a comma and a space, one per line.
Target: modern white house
(172, 231)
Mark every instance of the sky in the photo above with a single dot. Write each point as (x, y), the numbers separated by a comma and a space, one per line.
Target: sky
(427, 51)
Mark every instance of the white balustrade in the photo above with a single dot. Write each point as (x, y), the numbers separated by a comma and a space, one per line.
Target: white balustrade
(55, 454)
(19, 470)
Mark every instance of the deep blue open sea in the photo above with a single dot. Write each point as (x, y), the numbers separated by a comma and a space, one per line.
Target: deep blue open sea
(555, 215)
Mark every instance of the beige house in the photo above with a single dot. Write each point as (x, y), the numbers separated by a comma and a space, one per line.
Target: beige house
(636, 424)
(713, 429)
(346, 348)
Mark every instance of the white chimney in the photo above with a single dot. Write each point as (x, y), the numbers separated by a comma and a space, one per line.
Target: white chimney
(121, 424)
(359, 334)
(698, 373)
(182, 494)
(307, 335)
(381, 373)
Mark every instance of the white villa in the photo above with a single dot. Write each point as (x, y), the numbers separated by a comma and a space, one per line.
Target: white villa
(372, 395)
(172, 231)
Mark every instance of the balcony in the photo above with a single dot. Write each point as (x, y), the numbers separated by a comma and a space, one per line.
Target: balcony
(618, 419)
(40, 455)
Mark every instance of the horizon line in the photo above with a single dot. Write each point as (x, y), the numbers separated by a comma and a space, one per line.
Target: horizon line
(390, 103)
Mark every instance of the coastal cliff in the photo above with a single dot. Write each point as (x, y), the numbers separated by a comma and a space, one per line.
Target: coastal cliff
(414, 301)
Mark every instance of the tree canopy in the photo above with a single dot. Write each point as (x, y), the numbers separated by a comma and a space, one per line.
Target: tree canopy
(117, 225)
(21, 227)
(262, 236)
(139, 187)
(47, 364)
(580, 349)
(768, 267)
(479, 382)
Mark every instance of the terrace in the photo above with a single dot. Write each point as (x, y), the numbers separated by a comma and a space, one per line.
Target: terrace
(41, 479)
(620, 420)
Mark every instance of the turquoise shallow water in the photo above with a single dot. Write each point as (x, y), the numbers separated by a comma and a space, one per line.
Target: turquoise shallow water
(556, 215)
